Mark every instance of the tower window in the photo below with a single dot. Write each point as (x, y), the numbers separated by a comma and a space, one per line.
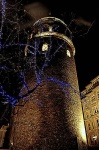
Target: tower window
(68, 53)
(45, 47)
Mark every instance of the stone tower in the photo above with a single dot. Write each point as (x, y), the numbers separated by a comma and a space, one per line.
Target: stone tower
(51, 118)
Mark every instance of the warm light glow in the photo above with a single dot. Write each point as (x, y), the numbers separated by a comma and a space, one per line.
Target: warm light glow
(59, 36)
(25, 50)
(68, 53)
(31, 35)
(50, 29)
(11, 143)
(45, 47)
(83, 132)
(94, 137)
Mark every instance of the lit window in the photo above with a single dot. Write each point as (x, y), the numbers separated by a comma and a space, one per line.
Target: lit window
(45, 47)
(50, 29)
(68, 53)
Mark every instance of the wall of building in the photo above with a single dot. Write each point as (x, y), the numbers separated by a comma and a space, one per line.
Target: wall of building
(90, 104)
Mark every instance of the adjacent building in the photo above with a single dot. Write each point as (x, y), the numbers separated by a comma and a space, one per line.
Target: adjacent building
(90, 106)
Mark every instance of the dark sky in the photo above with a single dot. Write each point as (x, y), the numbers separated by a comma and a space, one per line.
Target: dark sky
(86, 41)
(85, 38)
(83, 20)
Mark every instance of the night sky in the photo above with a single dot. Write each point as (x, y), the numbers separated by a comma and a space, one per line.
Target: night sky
(83, 20)
(85, 39)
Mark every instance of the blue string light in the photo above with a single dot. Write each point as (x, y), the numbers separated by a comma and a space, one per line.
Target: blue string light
(32, 51)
